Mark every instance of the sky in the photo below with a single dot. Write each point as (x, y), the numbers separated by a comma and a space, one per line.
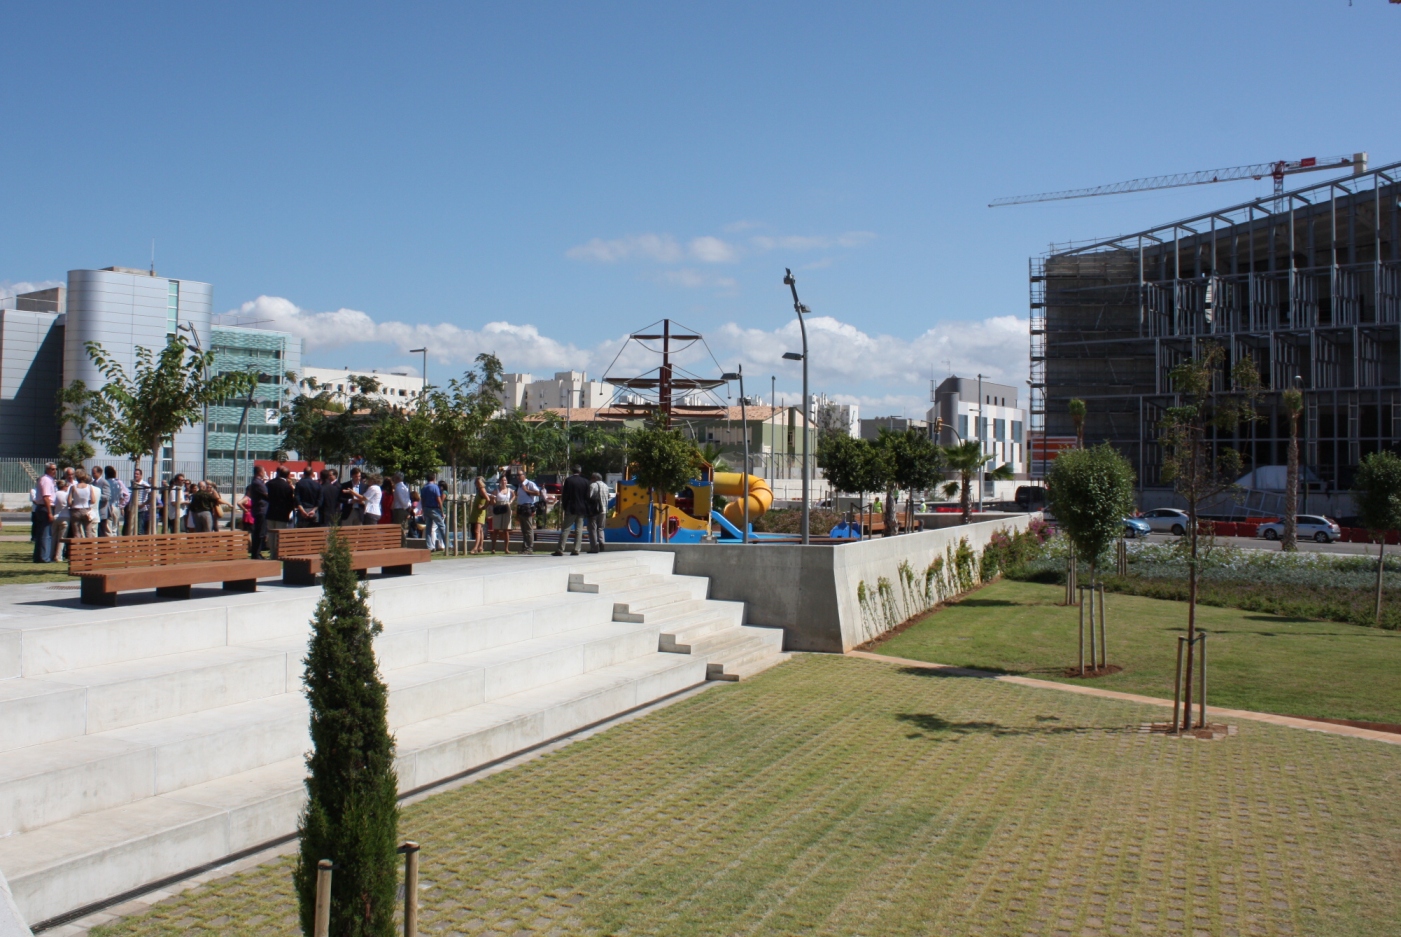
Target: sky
(539, 180)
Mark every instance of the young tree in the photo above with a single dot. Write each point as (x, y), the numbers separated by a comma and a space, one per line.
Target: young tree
(165, 394)
(1077, 416)
(86, 411)
(851, 465)
(1091, 491)
(1199, 465)
(1293, 405)
(1377, 494)
(460, 412)
(402, 442)
(352, 814)
(967, 459)
(665, 461)
(916, 463)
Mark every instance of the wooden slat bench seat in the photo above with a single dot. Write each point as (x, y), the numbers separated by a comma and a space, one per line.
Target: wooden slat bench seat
(377, 546)
(168, 563)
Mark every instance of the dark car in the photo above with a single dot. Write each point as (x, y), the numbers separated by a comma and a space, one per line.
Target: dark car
(1031, 497)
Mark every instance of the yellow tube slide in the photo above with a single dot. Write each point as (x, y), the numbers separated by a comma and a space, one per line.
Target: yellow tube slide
(736, 485)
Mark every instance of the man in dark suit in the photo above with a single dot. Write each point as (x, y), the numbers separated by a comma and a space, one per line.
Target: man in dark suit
(282, 501)
(330, 499)
(574, 499)
(308, 498)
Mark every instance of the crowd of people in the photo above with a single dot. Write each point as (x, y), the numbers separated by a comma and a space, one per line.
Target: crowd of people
(72, 504)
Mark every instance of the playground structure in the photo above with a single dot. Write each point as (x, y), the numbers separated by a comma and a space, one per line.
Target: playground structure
(688, 516)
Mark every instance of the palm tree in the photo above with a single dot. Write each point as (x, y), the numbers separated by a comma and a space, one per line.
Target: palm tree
(1077, 416)
(714, 455)
(967, 459)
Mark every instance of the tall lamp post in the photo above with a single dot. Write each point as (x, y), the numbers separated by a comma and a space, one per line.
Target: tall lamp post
(422, 351)
(738, 375)
(799, 308)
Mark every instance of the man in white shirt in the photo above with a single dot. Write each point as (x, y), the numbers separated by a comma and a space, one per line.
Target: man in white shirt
(528, 498)
(402, 507)
(598, 511)
(43, 515)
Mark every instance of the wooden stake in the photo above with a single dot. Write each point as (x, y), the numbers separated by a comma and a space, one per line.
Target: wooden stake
(1103, 649)
(322, 925)
(1082, 633)
(1177, 686)
(410, 851)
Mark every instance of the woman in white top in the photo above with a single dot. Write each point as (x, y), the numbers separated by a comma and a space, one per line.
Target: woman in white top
(374, 500)
(60, 517)
(82, 507)
(501, 512)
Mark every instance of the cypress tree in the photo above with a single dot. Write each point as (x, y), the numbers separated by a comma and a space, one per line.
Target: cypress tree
(352, 812)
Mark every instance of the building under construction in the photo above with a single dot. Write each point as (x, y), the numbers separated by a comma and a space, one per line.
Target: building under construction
(1306, 283)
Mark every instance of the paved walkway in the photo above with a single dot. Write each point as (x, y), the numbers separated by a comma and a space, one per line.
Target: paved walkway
(1292, 722)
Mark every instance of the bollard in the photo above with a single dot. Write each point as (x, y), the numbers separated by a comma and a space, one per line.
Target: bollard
(322, 925)
(1082, 633)
(1177, 683)
(1103, 645)
(410, 851)
(1201, 685)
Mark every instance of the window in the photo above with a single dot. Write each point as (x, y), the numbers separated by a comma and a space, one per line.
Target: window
(1016, 431)
(172, 307)
(999, 430)
(963, 425)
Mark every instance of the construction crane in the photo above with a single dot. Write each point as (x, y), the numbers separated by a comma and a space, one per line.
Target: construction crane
(1276, 170)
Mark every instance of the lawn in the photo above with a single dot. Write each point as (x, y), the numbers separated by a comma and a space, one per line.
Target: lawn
(835, 795)
(17, 561)
(1293, 666)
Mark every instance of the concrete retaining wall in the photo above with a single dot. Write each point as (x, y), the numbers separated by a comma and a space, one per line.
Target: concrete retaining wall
(834, 598)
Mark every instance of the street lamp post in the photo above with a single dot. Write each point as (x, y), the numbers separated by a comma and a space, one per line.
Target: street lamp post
(422, 351)
(799, 308)
(738, 375)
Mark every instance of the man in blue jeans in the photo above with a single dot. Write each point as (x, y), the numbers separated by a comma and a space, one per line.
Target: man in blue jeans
(574, 499)
(42, 518)
(431, 497)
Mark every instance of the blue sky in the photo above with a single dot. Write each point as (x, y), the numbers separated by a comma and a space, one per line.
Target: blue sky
(537, 179)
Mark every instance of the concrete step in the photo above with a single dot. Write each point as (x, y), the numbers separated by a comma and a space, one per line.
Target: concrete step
(740, 651)
(95, 699)
(624, 579)
(677, 634)
(70, 863)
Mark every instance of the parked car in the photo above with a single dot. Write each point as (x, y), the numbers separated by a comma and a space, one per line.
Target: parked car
(1168, 521)
(1031, 497)
(1135, 527)
(1308, 526)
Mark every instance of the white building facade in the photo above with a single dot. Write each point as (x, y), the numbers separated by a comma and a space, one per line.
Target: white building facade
(982, 410)
(565, 390)
(395, 389)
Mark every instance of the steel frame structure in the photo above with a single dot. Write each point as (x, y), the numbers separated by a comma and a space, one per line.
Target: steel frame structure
(1307, 284)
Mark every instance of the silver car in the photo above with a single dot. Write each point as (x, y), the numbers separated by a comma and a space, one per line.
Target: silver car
(1309, 527)
(1167, 521)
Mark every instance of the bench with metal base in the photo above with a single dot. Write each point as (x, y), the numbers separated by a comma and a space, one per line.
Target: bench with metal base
(376, 546)
(168, 563)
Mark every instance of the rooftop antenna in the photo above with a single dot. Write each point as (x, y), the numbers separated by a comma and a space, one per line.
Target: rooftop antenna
(153, 256)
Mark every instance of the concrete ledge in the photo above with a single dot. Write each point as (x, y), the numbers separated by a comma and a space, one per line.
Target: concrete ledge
(834, 598)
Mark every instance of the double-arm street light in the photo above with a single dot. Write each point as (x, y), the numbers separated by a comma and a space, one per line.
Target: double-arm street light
(799, 308)
(738, 375)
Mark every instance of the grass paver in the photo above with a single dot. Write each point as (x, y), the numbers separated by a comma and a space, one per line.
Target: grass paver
(834, 795)
(1267, 663)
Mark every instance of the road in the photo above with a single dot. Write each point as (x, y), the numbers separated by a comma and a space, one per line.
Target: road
(1259, 543)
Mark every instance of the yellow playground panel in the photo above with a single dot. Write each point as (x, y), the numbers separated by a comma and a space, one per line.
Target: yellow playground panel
(686, 519)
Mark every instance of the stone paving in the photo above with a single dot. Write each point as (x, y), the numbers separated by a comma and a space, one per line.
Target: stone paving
(835, 795)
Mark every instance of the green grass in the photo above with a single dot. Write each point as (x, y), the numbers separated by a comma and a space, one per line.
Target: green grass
(1255, 661)
(836, 796)
(17, 562)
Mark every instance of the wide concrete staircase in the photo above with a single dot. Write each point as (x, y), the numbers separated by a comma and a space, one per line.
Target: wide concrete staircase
(140, 742)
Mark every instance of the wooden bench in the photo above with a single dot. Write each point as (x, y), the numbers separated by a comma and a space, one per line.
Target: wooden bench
(168, 563)
(378, 546)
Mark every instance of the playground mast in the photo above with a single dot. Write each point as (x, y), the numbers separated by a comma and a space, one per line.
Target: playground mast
(666, 383)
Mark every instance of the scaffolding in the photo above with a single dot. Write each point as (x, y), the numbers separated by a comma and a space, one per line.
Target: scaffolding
(1308, 285)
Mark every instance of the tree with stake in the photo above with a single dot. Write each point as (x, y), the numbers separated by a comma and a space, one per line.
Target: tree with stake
(850, 465)
(352, 814)
(165, 394)
(402, 442)
(664, 462)
(1195, 461)
(1293, 405)
(916, 463)
(1077, 416)
(1377, 495)
(460, 412)
(1091, 490)
(967, 459)
(85, 411)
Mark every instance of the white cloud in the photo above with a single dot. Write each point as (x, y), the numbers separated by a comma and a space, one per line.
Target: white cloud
(695, 279)
(712, 250)
(659, 247)
(815, 243)
(883, 373)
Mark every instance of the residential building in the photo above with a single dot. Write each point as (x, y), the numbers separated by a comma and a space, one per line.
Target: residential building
(827, 414)
(567, 390)
(967, 408)
(395, 388)
(871, 427)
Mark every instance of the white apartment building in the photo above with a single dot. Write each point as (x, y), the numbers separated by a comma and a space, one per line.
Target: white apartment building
(985, 411)
(396, 389)
(565, 389)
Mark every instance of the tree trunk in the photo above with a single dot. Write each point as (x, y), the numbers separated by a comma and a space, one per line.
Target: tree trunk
(1381, 563)
(1191, 618)
(1289, 542)
(890, 499)
(154, 522)
(964, 502)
